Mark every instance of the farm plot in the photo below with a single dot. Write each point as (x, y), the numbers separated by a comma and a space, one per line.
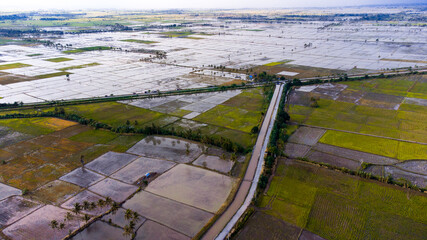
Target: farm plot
(55, 192)
(114, 114)
(294, 150)
(114, 189)
(101, 230)
(135, 170)
(7, 191)
(37, 225)
(375, 145)
(118, 218)
(380, 107)
(186, 220)
(110, 162)
(307, 136)
(152, 230)
(15, 208)
(82, 197)
(264, 226)
(167, 148)
(354, 155)
(338, 161)
(214, 163)
(82, 177)
(193, 186)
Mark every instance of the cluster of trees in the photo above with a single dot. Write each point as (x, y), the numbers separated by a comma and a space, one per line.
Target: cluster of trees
(265, 77)
(13, 17)
(8, 32)
(131, 217)
(7, 105)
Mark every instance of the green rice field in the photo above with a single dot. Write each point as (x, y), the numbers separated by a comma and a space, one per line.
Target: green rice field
(335, 205)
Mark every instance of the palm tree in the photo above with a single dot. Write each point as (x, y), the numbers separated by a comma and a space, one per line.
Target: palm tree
(101, 203)
(128, 214)
(77, 208)
(53, 224)
(92, 205)
(86, 205)
(136, 216)
(108, 201)
(127, 231)
(114, 208)
(68, 217)
(86, 218)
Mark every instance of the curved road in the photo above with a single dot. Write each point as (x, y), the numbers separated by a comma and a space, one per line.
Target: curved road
(222, 226)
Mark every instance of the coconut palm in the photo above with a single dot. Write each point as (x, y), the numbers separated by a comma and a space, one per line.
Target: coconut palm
(68, 217)
(114, 208)
(86, 205)
(128, 214)
(86, 217)
(101, 203)
(53, 224)
(108, 201)
(92, 205)
(136, 216)
(127, 231)
(77, 208)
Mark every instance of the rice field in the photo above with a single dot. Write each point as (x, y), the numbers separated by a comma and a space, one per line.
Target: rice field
(334, 205)
(371, 112)
(375, 145)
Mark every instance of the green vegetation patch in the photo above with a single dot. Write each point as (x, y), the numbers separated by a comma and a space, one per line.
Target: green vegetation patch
(87, 49)
(276, 63)
(177, 33)
(231, 117)
(50, 75)
(95, 136)
(139, 41)
(34, 55)
(376, 145)
(114, 114)
(32, 126)
(13, 65)
(59, 59)
(80, 66)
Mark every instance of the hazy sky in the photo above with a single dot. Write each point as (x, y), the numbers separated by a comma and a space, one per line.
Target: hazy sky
(166, 4)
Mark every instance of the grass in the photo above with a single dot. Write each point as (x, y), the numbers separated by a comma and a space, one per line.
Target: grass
(13, 65)
(60, 59)
(87, 49)
(139, 41)
(80, 66)
(340, 206)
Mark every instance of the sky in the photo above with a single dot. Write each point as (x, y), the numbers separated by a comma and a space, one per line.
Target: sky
(198, 4)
